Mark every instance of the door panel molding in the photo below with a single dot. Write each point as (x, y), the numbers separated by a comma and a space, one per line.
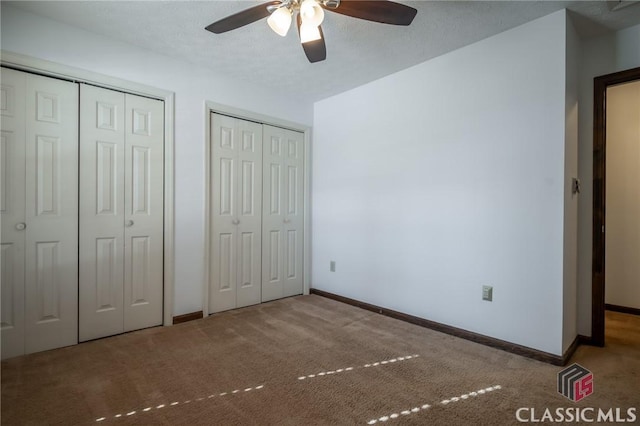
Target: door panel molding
(101, 213)
(12, 212)
(143, 206)
(282, 185)
(65, 72)
(213, 107)
(121, 251)
(51, 214)
(236, 160)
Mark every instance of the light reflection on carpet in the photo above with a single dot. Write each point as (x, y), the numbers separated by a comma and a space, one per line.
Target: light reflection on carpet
(423, 407)
(174, 403)
(374, 364)
(384, 418)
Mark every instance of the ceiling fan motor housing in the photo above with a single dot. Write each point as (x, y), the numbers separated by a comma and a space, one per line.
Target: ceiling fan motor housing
(294, 5)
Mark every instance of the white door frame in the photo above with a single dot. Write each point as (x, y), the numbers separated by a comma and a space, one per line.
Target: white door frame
(210, 107)
(65, 72)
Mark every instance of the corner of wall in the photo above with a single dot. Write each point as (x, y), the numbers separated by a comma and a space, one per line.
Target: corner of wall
(570, 243)
(627, 51)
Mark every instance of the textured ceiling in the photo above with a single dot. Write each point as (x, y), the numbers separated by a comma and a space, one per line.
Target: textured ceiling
(357, 51)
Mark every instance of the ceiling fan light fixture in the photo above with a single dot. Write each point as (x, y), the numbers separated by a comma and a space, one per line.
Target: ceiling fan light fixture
(309, 15)
(311, 12)
(280, 21)
(309, 33)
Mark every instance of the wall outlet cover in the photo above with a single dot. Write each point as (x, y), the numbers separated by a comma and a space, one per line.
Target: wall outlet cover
(487, 293)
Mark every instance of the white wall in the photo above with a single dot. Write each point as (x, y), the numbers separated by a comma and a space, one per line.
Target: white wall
(602, 55)
(446, 176)
(570, 307)
(622, 246)
(39, 37)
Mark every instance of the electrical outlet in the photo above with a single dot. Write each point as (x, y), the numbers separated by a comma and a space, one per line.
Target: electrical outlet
(332, 266)
(487, 293)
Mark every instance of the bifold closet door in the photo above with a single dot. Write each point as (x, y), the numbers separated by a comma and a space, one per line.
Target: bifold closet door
(144, 212)
(283, 213)
(101, 212)
(39, 205)
(12, 210)
(235, 238)
(121, 212)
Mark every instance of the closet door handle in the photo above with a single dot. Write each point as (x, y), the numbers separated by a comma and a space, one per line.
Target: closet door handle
(235, 221)
(21, 226)
(129, 223)
(287, 221)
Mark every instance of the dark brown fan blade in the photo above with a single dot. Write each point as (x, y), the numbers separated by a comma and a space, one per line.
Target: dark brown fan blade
(316, 50)
(386, 12)
(241, 19)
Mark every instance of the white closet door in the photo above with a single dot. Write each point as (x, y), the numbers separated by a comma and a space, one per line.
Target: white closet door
(102, 160)
(236, 162)
(12, 210)
(222, 294)
(143, 207)
(249, 210)
(293, 208)
(39, 204)
(282, 218)
(121, 212)
(51, 272)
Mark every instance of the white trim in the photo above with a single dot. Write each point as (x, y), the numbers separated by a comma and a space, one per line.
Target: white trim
(306, 273)
(65, 72)
(169, 207)
(254, 116)
(207, 211)
(210, 107)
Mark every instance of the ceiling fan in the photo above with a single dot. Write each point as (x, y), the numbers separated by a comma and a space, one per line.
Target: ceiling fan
(309, 16)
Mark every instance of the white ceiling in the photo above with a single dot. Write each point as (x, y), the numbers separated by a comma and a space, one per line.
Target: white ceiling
(357, 51)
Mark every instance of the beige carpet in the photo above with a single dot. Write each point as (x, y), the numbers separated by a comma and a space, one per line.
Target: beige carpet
(303, 361)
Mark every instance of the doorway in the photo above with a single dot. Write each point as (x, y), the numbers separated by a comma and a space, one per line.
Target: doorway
(598, 298)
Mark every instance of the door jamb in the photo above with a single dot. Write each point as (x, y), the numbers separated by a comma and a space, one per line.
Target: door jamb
(69, 73)
(214, 107)
(600, 85)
